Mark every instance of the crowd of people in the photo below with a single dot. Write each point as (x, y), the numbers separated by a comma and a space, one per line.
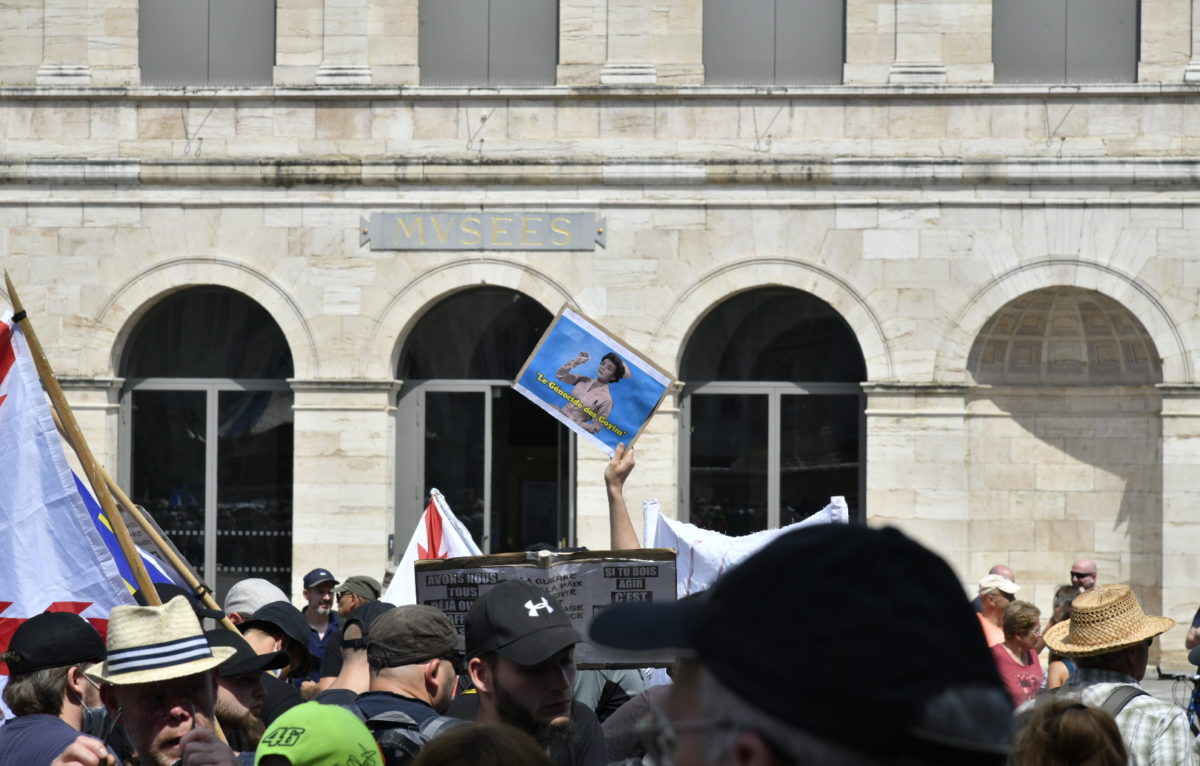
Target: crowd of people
(834, 644)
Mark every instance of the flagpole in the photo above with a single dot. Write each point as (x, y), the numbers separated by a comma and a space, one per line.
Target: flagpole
(82, 451)
(168, 551)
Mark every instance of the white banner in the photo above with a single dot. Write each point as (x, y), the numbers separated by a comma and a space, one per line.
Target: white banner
(51, 556)
(439, 535)
(702, 554)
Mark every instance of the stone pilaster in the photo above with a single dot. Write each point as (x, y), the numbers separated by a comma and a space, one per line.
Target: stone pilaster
(1180, 522)
(344, 45)
(916, 467)
(582, 41)
(1192, 72)
(918, 43)
(344, 460)
(65, 44)
(630, 59)
(96, 404)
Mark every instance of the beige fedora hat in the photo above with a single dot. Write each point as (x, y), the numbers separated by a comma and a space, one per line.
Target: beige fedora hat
(156, 643)
(1104, 619)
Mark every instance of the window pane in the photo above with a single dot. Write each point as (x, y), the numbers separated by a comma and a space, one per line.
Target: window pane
(818, 441)
(739, 42)
(523, 42)
(1029, 40)
(773, 334)
(241, 42)
(482, 334)
(208, 332)
(254, 479)
(452, 43)
(454, 438)
(168, 466)
(1102, 40)
(173, 42)
(809, 41)
(525, 475)
(729, 462)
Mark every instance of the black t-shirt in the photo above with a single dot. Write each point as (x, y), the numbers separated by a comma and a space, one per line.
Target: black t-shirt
(331, 663)
(586, 750)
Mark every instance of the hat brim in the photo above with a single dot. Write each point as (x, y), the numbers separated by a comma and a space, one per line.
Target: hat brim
(151, 675)
(538, 647)
(640, 627)
(1056, 638)
(256, 664)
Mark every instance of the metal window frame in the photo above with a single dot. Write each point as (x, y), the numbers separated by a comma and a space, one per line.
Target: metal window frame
(212, 388)
(488, 388)
(774, 391)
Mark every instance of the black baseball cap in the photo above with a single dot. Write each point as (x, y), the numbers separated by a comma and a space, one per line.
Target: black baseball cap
(53, 640)
(318, 576)
(519, 621)
(364, 616)
(824, 592)
(280, 616)
(167, 591)
(244, 660)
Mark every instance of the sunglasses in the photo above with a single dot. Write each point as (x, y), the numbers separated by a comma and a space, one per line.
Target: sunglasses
(1081, 575)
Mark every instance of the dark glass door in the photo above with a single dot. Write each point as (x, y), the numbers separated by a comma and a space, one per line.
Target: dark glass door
(729, 462)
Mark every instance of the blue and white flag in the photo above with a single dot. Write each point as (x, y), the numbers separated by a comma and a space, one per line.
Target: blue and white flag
(51, 556)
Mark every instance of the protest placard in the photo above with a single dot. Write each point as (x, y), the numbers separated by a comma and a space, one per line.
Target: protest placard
(584, 583)
(590, 380)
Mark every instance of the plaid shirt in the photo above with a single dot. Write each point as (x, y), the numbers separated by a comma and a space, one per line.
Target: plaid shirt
(1155, 732)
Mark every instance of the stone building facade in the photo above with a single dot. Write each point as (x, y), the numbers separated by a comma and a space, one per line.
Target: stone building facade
(1003, 272)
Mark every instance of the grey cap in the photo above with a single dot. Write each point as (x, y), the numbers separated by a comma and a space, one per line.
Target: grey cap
(411, 634)
(248, 596)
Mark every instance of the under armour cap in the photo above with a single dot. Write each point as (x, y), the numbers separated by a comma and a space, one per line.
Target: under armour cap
(408, 635)
(520, 622)
(318, 576)
(782, 603)
(52, 640)
(245, 660)
(314, 734)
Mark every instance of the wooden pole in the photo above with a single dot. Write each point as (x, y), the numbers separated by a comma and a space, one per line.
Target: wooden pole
(79, 444)
(168, 552)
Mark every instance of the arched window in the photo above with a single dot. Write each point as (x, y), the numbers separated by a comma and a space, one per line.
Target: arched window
(772, 412)
(207, 433)
(504, 466)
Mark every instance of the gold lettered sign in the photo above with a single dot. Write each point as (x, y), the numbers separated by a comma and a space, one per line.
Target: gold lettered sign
(482, 231)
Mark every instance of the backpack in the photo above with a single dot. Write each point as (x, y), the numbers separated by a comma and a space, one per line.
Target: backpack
(399, 735)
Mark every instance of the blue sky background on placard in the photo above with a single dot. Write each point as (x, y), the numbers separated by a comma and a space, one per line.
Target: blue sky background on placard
(633, 397)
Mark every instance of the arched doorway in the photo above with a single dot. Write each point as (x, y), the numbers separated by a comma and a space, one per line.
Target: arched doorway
(504, 466)
(1065, 432)
(772, 412)
(206, 433)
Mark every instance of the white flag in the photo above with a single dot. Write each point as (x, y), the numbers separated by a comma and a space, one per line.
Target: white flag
(439, 535)
(51, 556)
(702, 555)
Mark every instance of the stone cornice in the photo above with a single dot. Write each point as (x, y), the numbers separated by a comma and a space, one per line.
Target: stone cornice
(1149, 90)
(903, 172)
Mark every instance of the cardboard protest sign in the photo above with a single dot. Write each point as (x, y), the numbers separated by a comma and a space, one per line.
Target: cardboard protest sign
(584, 583)
(595, 384)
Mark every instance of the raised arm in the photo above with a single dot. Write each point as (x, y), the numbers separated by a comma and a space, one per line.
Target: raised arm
(619, 525)
(564, 373)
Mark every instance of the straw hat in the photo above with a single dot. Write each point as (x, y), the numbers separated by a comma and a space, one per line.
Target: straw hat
(1104, 620)
(157, 643)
